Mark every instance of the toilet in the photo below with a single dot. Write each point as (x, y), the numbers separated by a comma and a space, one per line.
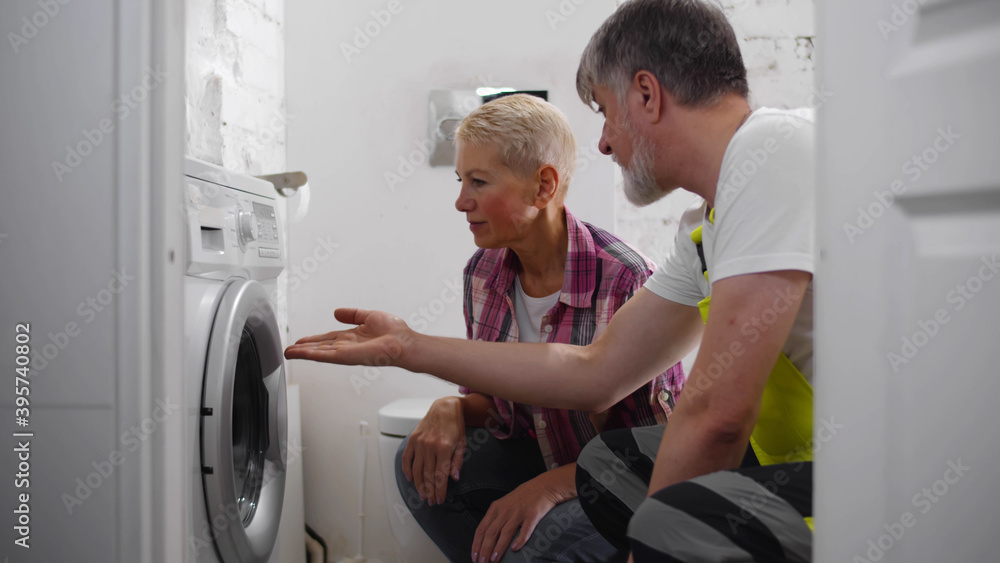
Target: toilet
(395, 422)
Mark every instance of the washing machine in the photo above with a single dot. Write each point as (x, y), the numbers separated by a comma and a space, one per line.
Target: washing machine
(235, 405)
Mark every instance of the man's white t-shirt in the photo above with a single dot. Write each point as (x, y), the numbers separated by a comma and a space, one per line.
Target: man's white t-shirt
(764, 222)
(528, 313)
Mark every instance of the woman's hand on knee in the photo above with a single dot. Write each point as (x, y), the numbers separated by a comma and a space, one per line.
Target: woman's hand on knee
(521, 509)
(435, 450)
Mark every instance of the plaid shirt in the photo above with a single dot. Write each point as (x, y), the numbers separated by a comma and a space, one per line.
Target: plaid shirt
(602, 272)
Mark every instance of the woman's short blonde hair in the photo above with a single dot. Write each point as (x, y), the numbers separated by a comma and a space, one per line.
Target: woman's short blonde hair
(528, 132)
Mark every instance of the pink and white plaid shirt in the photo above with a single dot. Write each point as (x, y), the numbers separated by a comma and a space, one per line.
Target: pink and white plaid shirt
(602, 273)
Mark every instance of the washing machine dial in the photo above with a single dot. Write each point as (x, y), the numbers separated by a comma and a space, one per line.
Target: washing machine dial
(247, 227)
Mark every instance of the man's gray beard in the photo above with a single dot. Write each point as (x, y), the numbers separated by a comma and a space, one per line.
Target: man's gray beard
(640, 185)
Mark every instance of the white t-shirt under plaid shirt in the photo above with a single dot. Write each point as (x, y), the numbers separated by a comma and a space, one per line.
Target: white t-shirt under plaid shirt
(602, 273)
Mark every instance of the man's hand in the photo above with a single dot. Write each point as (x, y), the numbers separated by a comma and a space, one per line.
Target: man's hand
(377, 340)
(435, 449)
(522, 508)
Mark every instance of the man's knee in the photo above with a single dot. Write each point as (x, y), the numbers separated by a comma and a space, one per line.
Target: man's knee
(611, 481)
(653, 522)
(592, 454)
(595, 460)
(708, 514)
(647, 516)
(614, 462)
(605, 452)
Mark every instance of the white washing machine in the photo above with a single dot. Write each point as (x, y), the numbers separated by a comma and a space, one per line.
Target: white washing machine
(235, 409)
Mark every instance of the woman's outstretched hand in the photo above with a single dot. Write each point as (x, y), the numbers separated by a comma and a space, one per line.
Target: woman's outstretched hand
(378, 339)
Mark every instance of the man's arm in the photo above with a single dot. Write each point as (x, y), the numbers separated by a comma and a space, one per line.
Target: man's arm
(646, 336)
(711, 426)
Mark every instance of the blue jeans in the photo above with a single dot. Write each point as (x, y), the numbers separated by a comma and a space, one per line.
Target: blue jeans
(492, 468)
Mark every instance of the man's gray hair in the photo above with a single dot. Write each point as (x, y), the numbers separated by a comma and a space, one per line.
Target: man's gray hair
(687, 44)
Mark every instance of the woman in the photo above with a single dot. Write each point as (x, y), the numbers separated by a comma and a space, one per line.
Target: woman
(541, 275)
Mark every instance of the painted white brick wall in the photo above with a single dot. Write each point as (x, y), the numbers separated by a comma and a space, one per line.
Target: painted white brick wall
(235, 84)
(776, 38)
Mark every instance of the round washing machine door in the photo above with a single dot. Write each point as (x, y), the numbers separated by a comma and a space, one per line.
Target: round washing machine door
(243, 425)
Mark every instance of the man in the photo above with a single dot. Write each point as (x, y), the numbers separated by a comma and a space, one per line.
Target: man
(670, 81)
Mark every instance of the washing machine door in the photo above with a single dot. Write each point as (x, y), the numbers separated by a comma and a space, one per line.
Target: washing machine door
(243, 425)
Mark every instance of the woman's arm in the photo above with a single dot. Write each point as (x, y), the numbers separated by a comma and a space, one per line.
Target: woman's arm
(477, 409)
(436, 447)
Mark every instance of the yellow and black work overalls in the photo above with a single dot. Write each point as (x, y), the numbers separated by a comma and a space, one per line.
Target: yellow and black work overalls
(783, 433)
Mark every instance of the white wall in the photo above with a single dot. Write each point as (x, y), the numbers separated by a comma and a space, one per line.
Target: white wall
(402, 249)
(358, 104)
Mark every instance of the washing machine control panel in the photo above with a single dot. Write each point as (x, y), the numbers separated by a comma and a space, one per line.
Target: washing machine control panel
(232, 227)
(266, 222)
